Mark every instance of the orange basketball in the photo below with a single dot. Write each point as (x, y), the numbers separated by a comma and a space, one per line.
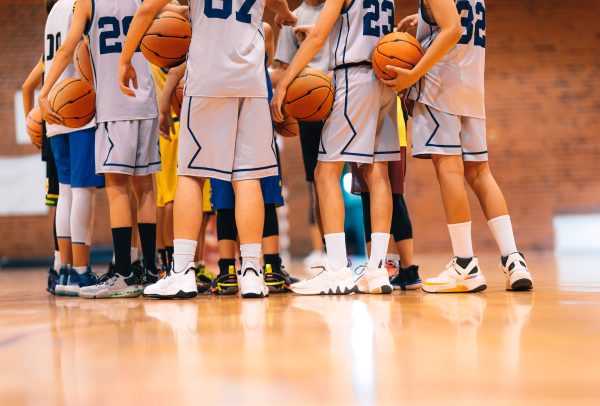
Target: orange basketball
(397, 49)
(167, 41)
(310, 96)
(288, 127)
(74, 100)
(177, 99)
(34, 126)
(83, 62)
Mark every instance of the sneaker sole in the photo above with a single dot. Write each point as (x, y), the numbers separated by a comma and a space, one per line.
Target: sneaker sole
(457, 289)
(251, 295)
(115, 295)
(337, 292)
(522, 285)
(179, 295)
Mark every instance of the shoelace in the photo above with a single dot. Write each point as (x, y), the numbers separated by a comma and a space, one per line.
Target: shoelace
(323, 269)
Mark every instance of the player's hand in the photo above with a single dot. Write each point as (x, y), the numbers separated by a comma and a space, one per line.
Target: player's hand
(277, 102)
(166, 125)
(405, 79)
(127, 75)
(49, 115)
(288, 19)
(302, 31)
(408, 24)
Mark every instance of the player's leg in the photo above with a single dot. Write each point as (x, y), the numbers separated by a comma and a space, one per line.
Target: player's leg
(226, 282)
(160, 243)
(84, 182)
(143, 187)
(52, 201)
(168, 234)
(491, 199)
(436, 135)
(204, 276)
(408, 271)
(60, 151)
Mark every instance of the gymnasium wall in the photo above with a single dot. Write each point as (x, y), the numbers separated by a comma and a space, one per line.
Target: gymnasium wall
(542, 103)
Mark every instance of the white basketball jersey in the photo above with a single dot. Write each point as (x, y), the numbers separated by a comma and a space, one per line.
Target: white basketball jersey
(360, 26)
(107, 30)
(455, 85)
(57, 28)
(227, 53)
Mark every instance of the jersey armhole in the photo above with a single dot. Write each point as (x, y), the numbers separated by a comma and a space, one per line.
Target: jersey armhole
(345, 10)
(422, 11)
(88, 26)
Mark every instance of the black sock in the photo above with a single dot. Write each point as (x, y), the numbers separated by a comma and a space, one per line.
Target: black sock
(224, 265)
(163, 256)
(274, 260)
(54, 229)
(148, 240)
(122, 247)
(170, 251)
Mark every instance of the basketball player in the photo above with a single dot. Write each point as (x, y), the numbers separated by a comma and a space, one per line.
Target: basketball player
(73, 151)
(352, 133)
(288, 43)
(227, 133)
(449, 128)
(126, 138)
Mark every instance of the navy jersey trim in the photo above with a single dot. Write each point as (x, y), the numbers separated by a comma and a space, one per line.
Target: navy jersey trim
(423, 15)
(346, 9)
(112, 146)
(88, 26)
(437, 127)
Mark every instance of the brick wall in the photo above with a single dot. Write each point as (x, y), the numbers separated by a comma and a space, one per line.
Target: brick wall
(543, 107)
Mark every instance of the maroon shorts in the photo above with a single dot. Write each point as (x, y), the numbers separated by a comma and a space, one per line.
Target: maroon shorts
(396, 170)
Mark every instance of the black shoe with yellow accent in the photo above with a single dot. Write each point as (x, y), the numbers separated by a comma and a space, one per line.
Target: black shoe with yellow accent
(225, 283)
(204, 278)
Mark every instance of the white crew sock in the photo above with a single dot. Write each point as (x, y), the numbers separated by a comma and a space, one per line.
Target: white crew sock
(135, 256)
(63, 211)
(379, 246)
(56, 260)
(502, 231)
(336, 251)
(80, 269)
(250, 254)
(184, 253)
(460, 235)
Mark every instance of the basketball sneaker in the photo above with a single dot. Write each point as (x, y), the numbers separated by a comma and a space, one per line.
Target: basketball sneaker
(251, 283)
(52, 281)
(149, 277)
(373, 280)
(407, 279)
(77, 281)
(225, 283)
(204, 278)
(392, 267)
(176, 285)
(63, 279)
(516, 272)
(327, 282)
(462, 275)
(114, 285)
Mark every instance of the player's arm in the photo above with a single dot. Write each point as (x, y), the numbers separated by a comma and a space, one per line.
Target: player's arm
(62, 58)
(409, 24)
(175, 7)
(141, 21)
(269, 42)
(31, 83)
(283, 15)
(448, 20)
(309, 48)
(165, 119)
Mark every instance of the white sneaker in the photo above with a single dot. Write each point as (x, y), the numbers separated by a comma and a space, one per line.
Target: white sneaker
(373, 280)
(516, 272)
(113, 285)
(176, 285)
(462, 275)
(328, 282)
(251, 283)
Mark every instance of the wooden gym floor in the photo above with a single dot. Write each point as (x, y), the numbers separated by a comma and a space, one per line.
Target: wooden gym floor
(491, 348)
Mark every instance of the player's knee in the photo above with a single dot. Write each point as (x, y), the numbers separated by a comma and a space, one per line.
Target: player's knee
(475, 171)
(448, 166)
(327, 172)
(271, 226)
(226, 227)
(116, 179)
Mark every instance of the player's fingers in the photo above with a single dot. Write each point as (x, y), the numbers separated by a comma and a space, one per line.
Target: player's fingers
(395, 69)
(134, 79)
(127, 91)
(390, 83)
(165, 136)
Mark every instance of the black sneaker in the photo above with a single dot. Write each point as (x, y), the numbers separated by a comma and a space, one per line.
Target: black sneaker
(407, 279)
(52, 281)
(204, 278)
(225, 283)
(149, 277)
(277, 279)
